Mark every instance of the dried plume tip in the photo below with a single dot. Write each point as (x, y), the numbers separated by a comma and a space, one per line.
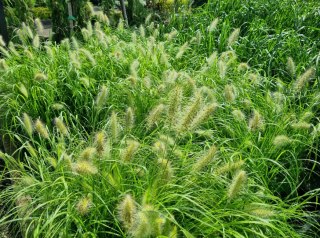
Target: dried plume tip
(41, 129)
(127, 211)
(237, 183)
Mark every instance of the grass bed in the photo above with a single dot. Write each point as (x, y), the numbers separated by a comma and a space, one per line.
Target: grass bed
(136, 134)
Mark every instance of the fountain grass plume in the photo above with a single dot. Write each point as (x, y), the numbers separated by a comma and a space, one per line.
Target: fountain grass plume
(237, 184)
(189, 113)
(233, 37)
(128, 153)
(100, 141)
(84, 167)
(41, 129)
(303, 79)
(154, 115)
(61, 126)
(127, 211)
(84, 205)
(27, 123)
(204, 160)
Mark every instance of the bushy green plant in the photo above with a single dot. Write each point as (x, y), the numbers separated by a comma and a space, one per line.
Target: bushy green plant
(270, 30)
(132, 134)
(41, 13)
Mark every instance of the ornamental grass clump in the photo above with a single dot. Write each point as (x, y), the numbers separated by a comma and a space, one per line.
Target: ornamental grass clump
(154, 137)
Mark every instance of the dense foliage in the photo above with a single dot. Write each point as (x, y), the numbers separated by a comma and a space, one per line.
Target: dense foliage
(158, 132)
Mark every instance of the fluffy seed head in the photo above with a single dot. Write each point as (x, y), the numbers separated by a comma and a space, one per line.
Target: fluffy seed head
(204, 160)
(303, 79)
(57, 106)
(131, 149)
(160, 148)
(89, 56)
(231, 166)
(172, 35)
(100, 141)
(182, 50)
(243, 67)
(212, 58)
(36, 41)
(23, 90)
(61, 126)
(302, 125)
(281, 141)
(84, 167)
(27, 123)
(165, 169)
(88, 153)
(204, 114)
(142, 31)
(189, 113)
(114, 127)
(175, 99)
(129, 119)
(256, 121)
(237, 183)
(84, 204)
(291, 67)
(222, 68)
(233, 37)
(41, 129)
(2, 43)
(3, 65)
(40, 77)
(127, 211)
(238, 115)
(102, 97)
(229, 93)
(4, 52)
(154, 115)
(213, 25)
(142, 226)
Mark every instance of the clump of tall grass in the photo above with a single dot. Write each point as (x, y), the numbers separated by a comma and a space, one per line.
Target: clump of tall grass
(133, 145)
